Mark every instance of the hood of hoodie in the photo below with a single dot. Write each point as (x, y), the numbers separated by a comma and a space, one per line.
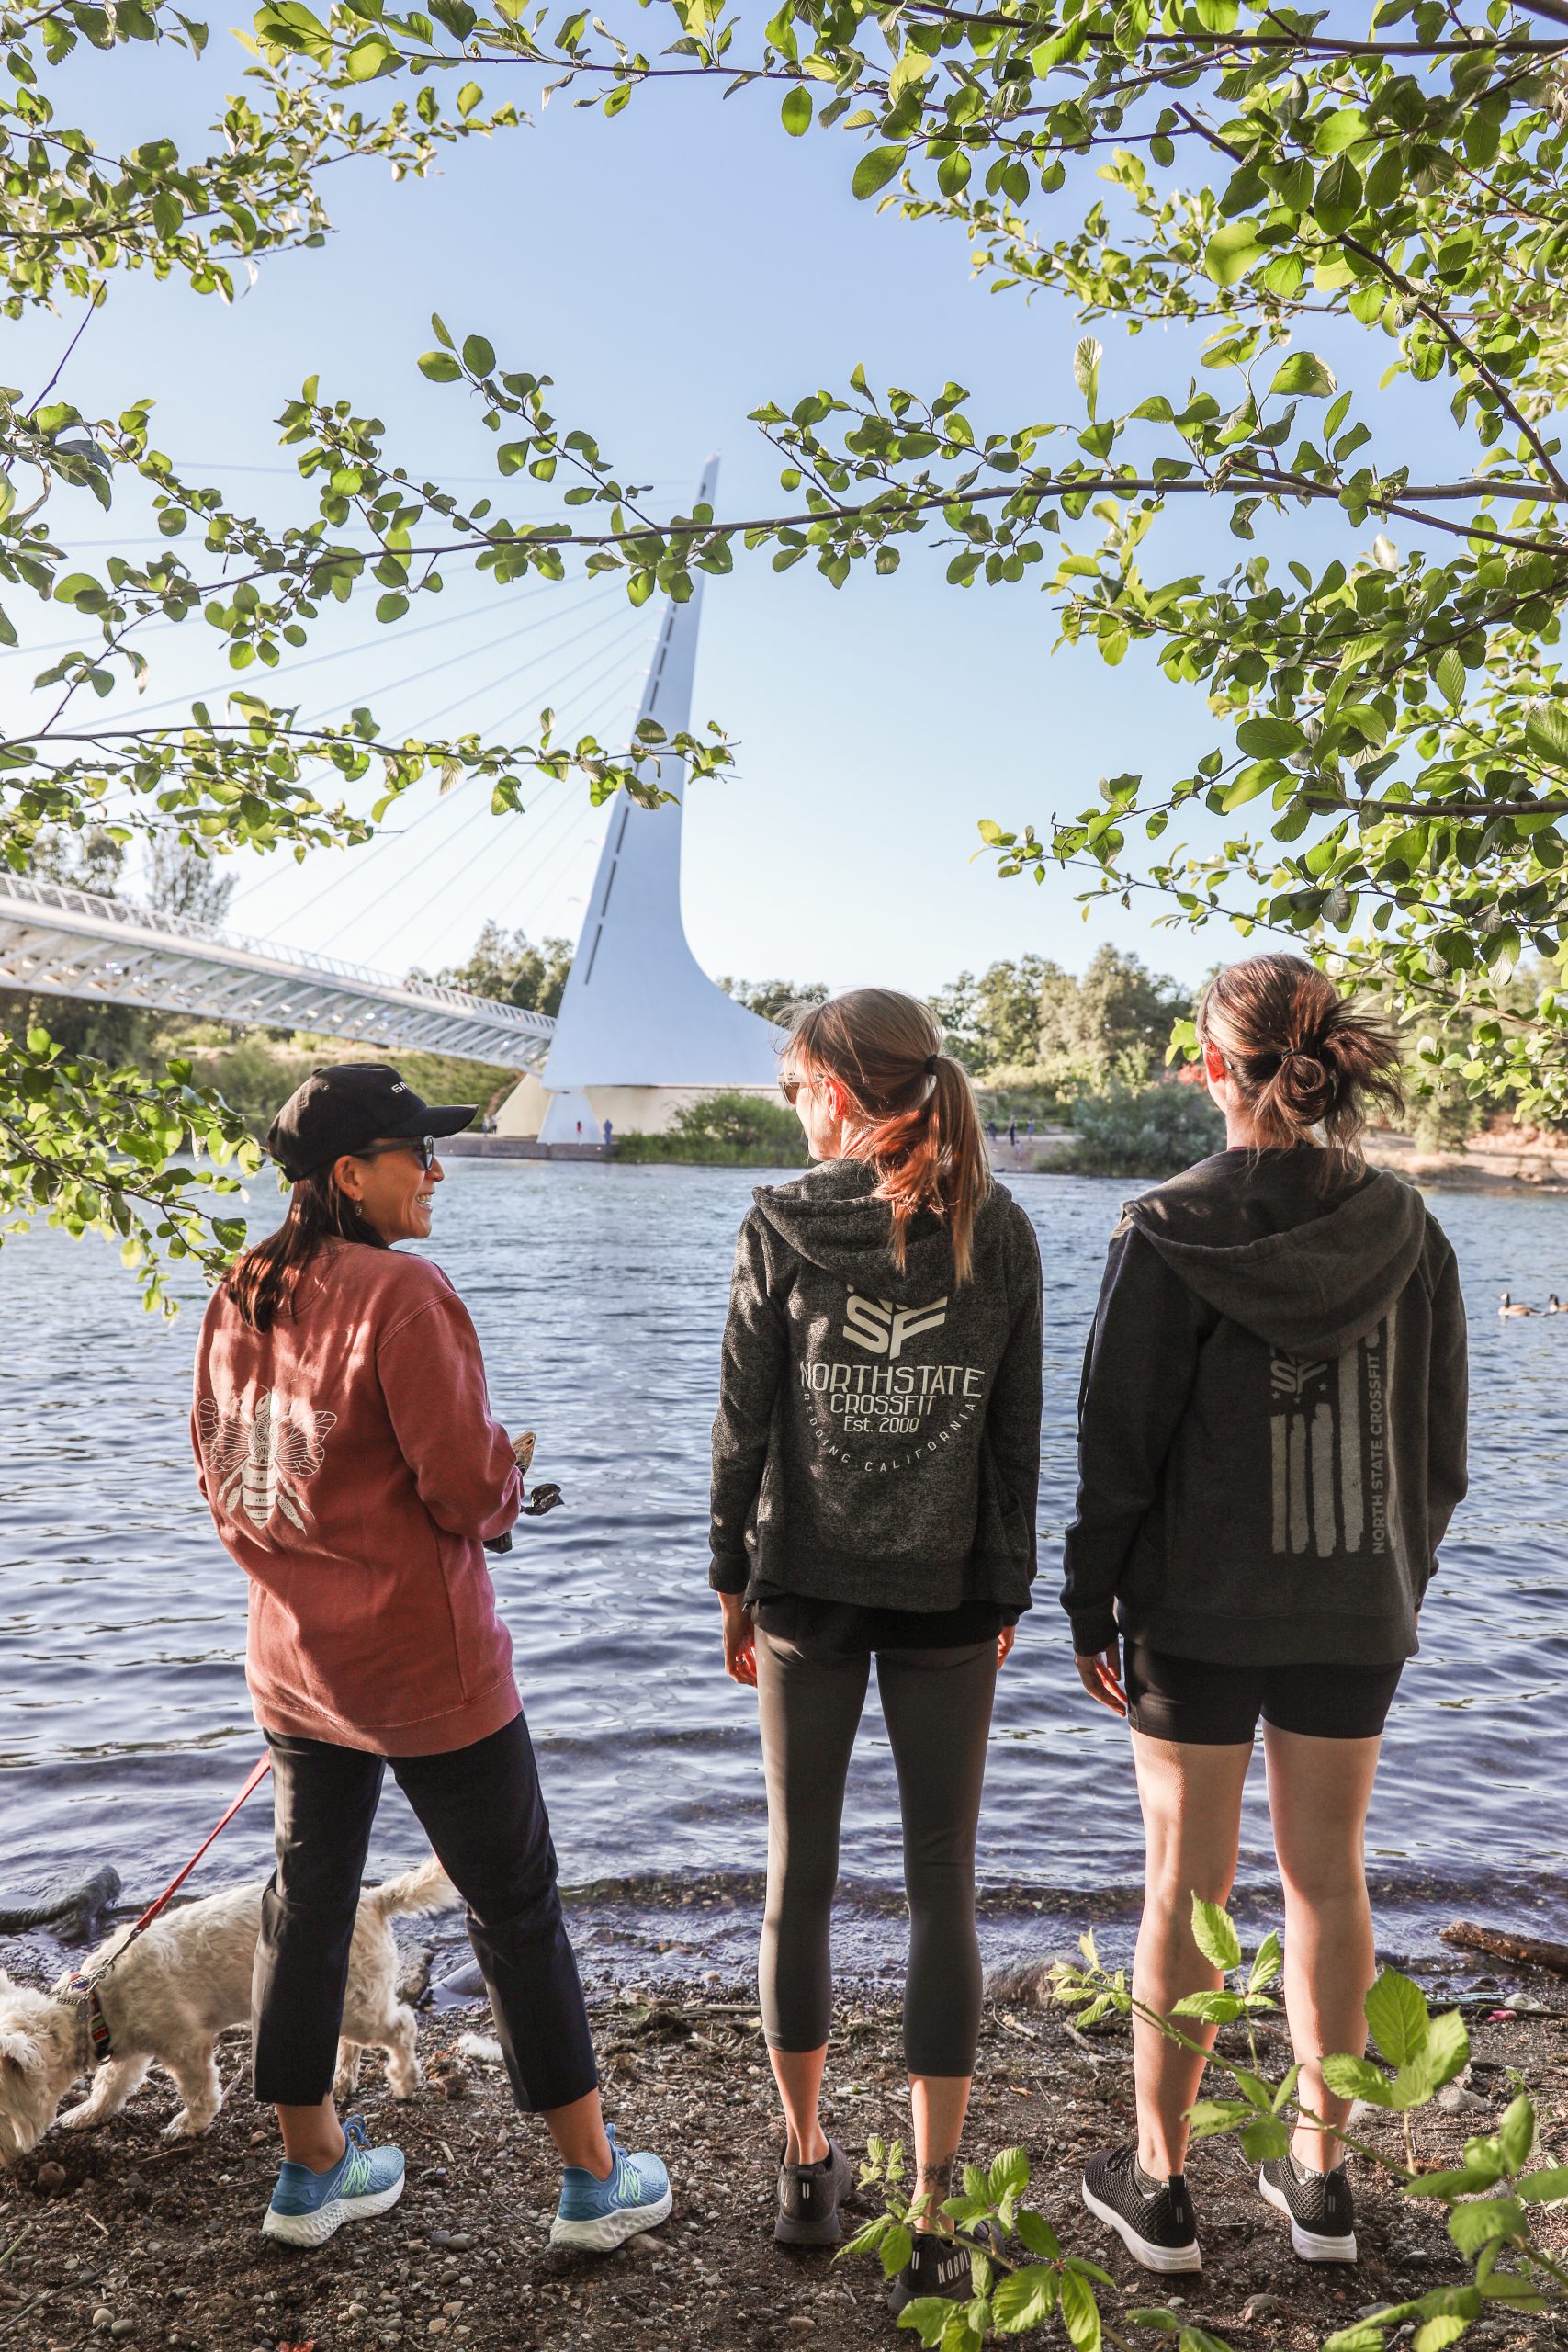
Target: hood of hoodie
(830, 1218)
(1314, 1288)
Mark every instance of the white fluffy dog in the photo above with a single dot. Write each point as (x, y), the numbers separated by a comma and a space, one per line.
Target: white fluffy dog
(176, 1989)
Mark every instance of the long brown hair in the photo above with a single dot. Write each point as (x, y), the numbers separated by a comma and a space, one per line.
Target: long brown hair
(1299, 1056)
(912, 1104)
(264, 1280)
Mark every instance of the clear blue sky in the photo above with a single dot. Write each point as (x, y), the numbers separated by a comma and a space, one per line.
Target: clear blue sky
(670, 270)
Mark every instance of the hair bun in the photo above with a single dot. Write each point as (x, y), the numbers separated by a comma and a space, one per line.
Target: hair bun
(1306, 1084)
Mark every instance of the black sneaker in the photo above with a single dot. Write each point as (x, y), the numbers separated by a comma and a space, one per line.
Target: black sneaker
(939, 2265)
(810, 2198)
(1156, 2224)
(1321, 2208)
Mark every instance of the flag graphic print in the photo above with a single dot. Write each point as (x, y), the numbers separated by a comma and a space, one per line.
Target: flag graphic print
(1328, 1444)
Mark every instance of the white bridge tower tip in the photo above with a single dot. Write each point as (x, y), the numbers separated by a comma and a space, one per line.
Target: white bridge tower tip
(642, 1030)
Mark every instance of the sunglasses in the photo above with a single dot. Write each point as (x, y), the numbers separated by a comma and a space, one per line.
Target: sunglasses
(423, 1145)
(790, 1087)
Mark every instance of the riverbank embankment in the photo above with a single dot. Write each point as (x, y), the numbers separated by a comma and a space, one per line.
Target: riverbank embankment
(118, 2236)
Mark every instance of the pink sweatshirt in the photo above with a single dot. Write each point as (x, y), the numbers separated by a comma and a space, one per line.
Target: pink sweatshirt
(352, 1468)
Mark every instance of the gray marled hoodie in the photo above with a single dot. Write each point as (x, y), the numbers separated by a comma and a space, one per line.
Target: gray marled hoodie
(1271, 1430)
(878, 1433)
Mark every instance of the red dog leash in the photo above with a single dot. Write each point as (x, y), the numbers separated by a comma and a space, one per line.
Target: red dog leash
(85, 1988)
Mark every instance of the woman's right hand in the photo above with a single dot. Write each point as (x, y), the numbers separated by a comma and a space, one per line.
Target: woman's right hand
(1101, 1675)
(739, 1640)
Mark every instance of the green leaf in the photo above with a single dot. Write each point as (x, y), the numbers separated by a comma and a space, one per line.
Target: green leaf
(1398, 2017)
(1437, 2334)
(469, 97)
(1087, 355)
(1214, 1934)
(896, 2248)
(1265, 2137)
(479, 357)
(1080, 2312)
(795, 112)
(874, 170)
(1546, 730)
(370, 57)
(1266, 1967)
(1448, 2048)
(440, 367)
(1449, 677)
(1038, 2235)
(1482, 2223)
(1339, 198)
(1304, 376)
(1010, 2175)
(1217, 2008)
(1231, 251)
(1548, 2187)
(1269, 737)
(928, 2315)
(1515, 2134)
(1358, 2078)
(1025, 2299)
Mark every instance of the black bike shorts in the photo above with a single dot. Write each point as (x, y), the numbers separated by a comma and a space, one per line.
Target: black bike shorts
(1208, 1706)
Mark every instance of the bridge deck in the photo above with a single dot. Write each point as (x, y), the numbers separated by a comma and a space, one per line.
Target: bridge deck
(56, 941)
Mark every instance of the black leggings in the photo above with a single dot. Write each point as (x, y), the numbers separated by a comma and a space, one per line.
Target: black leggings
(482, 1810)
(938, 1708)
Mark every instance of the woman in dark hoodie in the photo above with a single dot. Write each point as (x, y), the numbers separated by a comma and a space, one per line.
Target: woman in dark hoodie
(876, 1461)
(1271, 1443)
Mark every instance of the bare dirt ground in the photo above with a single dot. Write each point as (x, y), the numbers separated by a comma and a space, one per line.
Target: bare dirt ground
(147, 2244)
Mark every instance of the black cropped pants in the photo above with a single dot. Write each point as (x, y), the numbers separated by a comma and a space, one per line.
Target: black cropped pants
(484, 1812)
(937, 1703)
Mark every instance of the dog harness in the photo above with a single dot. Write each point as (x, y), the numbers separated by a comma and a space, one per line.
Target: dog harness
(101, 2041)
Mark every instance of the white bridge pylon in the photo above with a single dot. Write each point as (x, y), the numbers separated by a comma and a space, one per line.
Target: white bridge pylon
(57, 941)
(642, 1029)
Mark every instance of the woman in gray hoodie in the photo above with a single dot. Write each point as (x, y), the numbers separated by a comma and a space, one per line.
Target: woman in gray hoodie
(1271, 1443)
(876, 1460)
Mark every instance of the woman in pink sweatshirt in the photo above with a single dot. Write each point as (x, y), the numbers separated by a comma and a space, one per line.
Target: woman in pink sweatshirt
(347, 1453)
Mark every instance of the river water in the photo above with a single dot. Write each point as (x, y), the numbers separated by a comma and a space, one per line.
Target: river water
(599, 1294)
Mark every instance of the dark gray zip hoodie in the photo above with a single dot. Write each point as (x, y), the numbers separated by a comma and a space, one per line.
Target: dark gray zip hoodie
(1271, 1425)
(878, 1433)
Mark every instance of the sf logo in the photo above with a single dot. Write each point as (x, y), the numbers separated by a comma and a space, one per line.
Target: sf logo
(878, 1324)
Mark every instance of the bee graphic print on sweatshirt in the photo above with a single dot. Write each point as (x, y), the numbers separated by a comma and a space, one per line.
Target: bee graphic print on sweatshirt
(256, 1456)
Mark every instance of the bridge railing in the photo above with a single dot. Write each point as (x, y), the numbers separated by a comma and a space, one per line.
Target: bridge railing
(67, 899)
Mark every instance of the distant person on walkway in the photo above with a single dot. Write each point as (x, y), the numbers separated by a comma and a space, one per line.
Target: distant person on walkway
(1029, 1131)
(877, 1456)
(347, 1449)
(1271, 1444)
(609, 1135)
(991, 1129)
(1012, 1133)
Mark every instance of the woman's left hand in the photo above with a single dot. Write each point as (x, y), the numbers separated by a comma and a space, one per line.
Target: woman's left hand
(739, 1640)
(1005, 1641)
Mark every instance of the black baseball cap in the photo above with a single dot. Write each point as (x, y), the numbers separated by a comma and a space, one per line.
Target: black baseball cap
(345, 1105)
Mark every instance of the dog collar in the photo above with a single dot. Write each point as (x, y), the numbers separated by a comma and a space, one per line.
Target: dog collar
(99, 2040)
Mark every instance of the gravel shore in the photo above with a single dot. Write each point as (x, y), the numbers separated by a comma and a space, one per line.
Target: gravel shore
(118, 2237)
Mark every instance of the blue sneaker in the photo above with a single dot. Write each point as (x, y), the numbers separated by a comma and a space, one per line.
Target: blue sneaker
(307, 2206)
(596, 2215)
